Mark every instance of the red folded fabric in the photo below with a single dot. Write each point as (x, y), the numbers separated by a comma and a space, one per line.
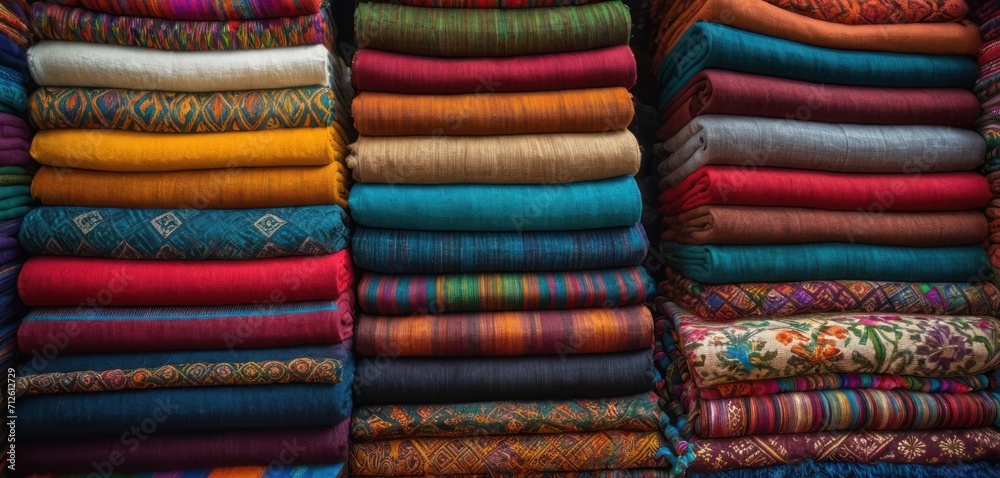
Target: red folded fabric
(824, 190)
(92, 282)
(730, 93)
(382, 71)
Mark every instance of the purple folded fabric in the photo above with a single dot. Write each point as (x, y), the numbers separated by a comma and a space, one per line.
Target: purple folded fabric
(161, 451)
(10, 227)
(14, 127)
(8, 243)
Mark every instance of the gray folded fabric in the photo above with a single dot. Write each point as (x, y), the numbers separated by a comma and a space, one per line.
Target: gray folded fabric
(849, 148)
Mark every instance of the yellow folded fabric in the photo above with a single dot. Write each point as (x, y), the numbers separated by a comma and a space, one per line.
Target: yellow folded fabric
(113, 150)
(230, 188)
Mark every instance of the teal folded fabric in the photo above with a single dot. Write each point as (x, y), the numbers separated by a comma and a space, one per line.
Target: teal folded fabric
(829, 261)
(710, 45)
(13, 94)
(498, 207)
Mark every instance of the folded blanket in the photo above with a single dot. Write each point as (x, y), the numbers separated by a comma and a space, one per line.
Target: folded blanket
(829, 260)
(845, 381)
(166, 451)
(201, 9)
(189, 409)
(558, 332)
(708, 45)
(490, 32)
(874, 193)
(15, 202)
(721, 352)
(128, 151)
(71, 281)
(847, 148)
(787, 225)
(486, 207)
(514, 454)
(422, 252)
(473, 379)
(410, 294)
(783, 299)
(111, 66)
(730, 93)
(760, 17)
(14, 127)
(849, 12)
(197, 234)
(824, 469)
(565, 111)
(169, 112)
(376, 70)
(13, 95)
(538, 158)
(632, 413)
(232, 188)
(57, 22)
(146, 329)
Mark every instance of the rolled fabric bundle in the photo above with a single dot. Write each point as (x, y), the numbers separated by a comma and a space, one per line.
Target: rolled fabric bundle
(394, 251)
(943, 38)
(190, 409)
(201, 9)
(475, 379)
(191, 234)
(730, 93)
(512, 159)
(162, 451)
(146, 329)
(781, 143)
(71, 281)
(874, 193)
(846, 381)
(169, 112)
(491, 32)
(903, 344)
(391, 72)
(565, 111)
(60, 23)
(831, 260)
(128, 151)
(607, 203)
(783, 299)
(379, 422)
(476, 334)
(787, 225)
(77, 64)
(410, 294)
(235, 188)
(516, 455)
(709, 45)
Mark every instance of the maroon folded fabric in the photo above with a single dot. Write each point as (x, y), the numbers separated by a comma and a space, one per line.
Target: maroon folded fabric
(160, 451)
(872, 193)
(730, 93)
(382, 71)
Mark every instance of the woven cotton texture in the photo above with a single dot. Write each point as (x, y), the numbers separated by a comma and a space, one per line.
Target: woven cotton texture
(201, 9)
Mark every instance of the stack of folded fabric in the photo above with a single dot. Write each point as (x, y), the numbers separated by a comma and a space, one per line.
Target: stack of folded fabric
(829, 298)
(16, 169)
(987, 14)
(192, 283)
(503, 330)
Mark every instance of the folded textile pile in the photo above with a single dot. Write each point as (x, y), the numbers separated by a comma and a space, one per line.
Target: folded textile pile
(503, 330)
(191, 281)
(826, 286)
(988, 91)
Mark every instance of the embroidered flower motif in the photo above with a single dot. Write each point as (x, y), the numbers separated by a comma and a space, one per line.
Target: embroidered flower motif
(942, 347)
(911, 448)
(788, 336)
(952, 446)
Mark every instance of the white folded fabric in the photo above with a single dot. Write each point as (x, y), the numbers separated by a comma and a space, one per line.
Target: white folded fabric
(58, 63)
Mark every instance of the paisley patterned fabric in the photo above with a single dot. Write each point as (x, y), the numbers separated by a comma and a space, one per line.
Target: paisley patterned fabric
(170, 112)
(200, 9)
(782, 299)
(633, 413)
(301, 370)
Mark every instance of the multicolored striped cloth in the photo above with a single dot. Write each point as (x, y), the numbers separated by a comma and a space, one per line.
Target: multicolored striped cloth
(201, 9)
(843, 381)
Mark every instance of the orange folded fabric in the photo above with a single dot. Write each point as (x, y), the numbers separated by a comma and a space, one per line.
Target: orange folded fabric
(566, 111)
(958, 38)
(234, 188)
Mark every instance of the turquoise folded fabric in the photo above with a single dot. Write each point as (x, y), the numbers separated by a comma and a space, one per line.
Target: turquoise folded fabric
(198, 234)
(710, 45)
(829, 261)
(13, 94)
(498, 207)
(425, 252)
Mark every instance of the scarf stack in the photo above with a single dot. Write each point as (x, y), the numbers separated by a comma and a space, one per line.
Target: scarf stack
(827, 297)
(191, 287)
(503, 330)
